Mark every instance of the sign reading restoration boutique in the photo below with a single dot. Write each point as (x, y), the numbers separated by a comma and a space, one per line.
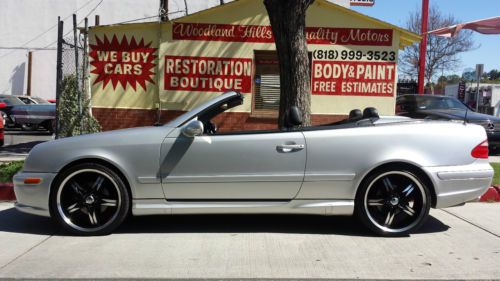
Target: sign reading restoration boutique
(179, 64)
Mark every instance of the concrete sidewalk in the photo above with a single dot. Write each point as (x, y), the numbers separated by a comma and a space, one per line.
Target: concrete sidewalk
(494, 159)
(455, 243)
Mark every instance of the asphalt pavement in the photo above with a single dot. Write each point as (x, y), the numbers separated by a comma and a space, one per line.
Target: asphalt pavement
(455, 243)
(19, 143)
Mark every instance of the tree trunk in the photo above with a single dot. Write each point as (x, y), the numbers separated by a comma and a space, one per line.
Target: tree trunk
(288, 21)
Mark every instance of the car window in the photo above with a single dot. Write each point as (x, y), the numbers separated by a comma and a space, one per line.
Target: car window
(452, 103)
(10, 101)
(402, 105)
(26, 100)
(40, 100)
(433, 103)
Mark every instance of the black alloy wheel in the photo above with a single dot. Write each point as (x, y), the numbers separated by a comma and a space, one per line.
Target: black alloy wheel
(90, 199)
(393, 203)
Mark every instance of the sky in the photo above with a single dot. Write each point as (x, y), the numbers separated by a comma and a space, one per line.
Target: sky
(397, 11)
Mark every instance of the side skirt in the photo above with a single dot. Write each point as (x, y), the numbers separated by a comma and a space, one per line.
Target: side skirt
(143, 207)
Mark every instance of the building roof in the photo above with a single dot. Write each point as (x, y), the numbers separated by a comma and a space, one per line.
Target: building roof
(406, 37)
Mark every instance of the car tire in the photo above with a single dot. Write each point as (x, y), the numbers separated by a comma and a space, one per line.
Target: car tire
(89, 199)
(48, 125)
(393, 202)
(29, 127)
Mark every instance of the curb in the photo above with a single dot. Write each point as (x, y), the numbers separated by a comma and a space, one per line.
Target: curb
(491, 195)
(7, 192)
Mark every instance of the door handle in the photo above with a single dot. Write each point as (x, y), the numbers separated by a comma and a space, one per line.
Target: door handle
(290, 147)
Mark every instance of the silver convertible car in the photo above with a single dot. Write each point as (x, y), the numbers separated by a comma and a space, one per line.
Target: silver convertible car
(389, 171)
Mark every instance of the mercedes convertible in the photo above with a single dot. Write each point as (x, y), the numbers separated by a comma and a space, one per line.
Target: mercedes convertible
(388, 171)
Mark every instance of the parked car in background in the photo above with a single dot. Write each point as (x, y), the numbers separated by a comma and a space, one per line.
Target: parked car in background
(387, 171)
(10, 102)
(2, 106)
(27, 116)
(32, 100)
(2, 124)
(34, 116)
(448, 108)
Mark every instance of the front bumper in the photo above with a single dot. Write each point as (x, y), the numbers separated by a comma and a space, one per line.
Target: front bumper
(33, 198)
(455, 185)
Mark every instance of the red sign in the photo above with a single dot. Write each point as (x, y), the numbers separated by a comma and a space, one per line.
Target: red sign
(264, 34)
(210, 74)
(348, 78)
(122, 62)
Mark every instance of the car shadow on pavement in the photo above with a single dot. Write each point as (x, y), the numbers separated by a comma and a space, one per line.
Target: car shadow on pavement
(14, 221)
(293, 224)
(11, 220)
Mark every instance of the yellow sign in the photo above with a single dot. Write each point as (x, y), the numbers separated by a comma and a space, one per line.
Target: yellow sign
(177, 65)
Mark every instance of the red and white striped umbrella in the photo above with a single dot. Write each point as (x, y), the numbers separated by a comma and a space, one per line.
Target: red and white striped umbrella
(485, 26)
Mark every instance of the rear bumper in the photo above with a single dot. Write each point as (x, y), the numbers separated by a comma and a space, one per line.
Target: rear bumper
(455, 185)
(33, 198)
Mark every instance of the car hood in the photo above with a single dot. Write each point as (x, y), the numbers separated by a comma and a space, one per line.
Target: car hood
(460, 115)
(53, 155)
(110, 137)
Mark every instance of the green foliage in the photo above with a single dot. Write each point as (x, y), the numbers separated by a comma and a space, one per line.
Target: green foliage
(7, 171)
(494, 74)
(496, 176)
(70, 121)
(491, 77)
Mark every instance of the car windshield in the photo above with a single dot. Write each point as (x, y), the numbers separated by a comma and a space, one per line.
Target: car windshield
(39, 100)
(10, 101)
(439, 103)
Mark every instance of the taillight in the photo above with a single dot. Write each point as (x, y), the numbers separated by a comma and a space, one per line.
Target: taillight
(481, 150)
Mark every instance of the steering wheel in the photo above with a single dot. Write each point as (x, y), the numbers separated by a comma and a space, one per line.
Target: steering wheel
(211, 128)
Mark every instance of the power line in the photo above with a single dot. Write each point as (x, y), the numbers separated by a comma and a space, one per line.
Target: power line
(25, 48)
(149, 17)
(88, 14)
(46, 31)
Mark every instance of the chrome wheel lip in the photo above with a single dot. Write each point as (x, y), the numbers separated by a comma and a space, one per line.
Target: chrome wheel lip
(421, 213)
(67, 220)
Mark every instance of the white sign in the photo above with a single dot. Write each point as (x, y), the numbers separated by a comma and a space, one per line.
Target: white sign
(362, 2)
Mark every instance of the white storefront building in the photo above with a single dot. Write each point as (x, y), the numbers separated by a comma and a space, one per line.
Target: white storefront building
(489, 95)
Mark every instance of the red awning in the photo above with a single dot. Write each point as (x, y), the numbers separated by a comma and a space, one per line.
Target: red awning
(486, 26)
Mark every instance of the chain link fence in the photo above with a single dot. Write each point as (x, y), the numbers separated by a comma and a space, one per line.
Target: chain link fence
(73, 114)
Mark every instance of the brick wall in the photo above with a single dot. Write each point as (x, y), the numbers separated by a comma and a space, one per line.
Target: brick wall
(113, 118)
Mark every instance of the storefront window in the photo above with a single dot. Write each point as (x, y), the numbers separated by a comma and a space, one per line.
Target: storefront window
(266, 91)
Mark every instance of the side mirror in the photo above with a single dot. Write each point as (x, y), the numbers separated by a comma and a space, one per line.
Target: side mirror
(193, 129)
(3, 105)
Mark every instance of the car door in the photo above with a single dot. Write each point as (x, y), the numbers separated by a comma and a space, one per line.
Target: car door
(249, 166)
